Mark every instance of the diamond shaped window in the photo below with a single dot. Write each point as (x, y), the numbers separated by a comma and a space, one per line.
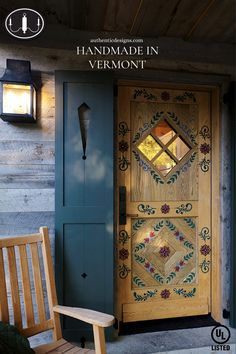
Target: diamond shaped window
(164, 163)
(178, 148)
(149, 147)
(164, 147)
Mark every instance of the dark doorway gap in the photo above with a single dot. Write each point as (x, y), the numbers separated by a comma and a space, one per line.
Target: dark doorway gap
(166, 324)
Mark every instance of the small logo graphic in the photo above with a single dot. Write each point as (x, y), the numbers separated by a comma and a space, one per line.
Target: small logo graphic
(220, 334)
(24, 23)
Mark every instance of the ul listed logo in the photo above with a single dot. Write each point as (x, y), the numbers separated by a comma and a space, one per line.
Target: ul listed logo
(220, 334)
(24, 23)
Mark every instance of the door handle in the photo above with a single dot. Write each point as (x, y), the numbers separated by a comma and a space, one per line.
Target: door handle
(122, 205)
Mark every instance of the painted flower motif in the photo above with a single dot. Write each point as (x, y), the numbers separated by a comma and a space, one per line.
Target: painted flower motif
(179, 236)
(205, 250)
(123, 254)
(179, 265)
(149, 236)
(165, 96)
(165, 208)
(164, 251)
(205, 148)
(149, 267)
(123, 146)
(165, 294)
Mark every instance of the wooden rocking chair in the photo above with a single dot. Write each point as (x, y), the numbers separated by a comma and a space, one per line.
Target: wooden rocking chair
(96, 319)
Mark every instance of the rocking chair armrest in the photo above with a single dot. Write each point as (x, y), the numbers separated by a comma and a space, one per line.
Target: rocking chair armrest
(93, 317)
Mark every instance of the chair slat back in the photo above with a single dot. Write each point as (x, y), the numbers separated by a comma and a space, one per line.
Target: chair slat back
(4, 313)
(22, 299)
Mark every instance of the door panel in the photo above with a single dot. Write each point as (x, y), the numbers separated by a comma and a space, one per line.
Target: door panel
(84, 196)
(164, 162)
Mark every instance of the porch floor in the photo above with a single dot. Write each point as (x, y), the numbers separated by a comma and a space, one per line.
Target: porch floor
(183, 341)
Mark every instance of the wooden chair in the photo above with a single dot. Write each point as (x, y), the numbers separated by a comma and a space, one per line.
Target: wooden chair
(33, 242)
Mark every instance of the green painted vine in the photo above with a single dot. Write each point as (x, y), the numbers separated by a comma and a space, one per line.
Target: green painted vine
(145, 296)
(139, 247)
(139, 223)
(170, 225)
(156, 177)
(137, 281)
(144, 93)
(185, 293)
(188, 245)
(170, 277)
(158, 226)
(139, 259)
(188, 256)
(185, 96)
(189, 279)
(159, 278)
(190, 223)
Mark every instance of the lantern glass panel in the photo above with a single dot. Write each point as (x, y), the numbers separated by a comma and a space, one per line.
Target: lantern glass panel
(17, 98)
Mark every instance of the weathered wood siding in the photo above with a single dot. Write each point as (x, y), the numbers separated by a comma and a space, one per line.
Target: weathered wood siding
(27, 164)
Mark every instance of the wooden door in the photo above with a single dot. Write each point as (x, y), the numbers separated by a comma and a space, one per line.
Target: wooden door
(164, 167)
(84, 196)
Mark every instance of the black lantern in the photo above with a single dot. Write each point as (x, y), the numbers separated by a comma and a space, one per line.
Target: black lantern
(18, 94)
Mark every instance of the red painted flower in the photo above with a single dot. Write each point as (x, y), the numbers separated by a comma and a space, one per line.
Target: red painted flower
(181, 263)
(164, 251)
(165, 294)
(177, 268)
(165, 209)
(123, 146)
(176, 233)
(151, 270)
(152, 234)
(205, 148)
(181, 238)
(146, 240)
(165, 96)
(205, 250)
(147, 265)
(123, 254)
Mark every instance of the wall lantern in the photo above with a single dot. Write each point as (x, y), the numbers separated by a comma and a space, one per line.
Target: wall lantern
(17, 93)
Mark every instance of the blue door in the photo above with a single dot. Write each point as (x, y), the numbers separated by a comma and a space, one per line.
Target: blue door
(84, 194)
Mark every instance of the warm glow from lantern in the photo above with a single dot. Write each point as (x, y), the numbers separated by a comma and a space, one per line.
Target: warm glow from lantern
(16, 99)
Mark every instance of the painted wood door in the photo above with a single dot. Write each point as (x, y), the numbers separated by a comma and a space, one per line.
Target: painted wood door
(164, 167)
(84, 195)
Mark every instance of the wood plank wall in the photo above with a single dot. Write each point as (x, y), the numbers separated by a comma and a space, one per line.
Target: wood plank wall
(27, 164)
